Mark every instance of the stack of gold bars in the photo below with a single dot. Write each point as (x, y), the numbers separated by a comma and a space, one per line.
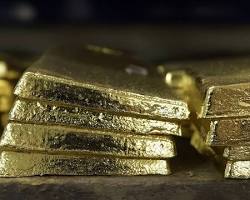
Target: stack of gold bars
(91, 111)
(218, 93)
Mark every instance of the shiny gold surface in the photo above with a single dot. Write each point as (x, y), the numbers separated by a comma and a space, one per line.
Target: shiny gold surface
(58, 139)
(14, 164)
(44, 87)
(228, 132)
(48, 113)
(237, 169)
(237, 152)
(101, 81)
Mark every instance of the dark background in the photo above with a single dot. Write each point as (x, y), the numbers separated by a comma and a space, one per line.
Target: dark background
(20, 12)
(154, 30)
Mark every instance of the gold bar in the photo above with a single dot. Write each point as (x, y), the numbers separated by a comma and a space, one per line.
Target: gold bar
(14, 164)
(223, 85)
(237, 152)
(237, 169)
(94, 79)
(59, 139)
(48, 113)
(227, 132)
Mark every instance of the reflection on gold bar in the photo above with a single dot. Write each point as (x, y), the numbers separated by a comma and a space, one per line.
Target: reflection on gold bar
(59, 139)
(237, 152)
(94, 79)
(237, 169)
(48, 113)
(228, 132)
(14, 164)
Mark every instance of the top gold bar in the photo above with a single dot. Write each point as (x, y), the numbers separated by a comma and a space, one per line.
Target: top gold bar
(103, 79)
(223, 85)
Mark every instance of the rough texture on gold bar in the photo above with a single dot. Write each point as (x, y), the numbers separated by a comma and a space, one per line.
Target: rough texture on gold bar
(14, 164)
(48, 113)
(228, 132)
(90, 78)
(237, 152)
(237, 169)
(226, 101)
(59, 139)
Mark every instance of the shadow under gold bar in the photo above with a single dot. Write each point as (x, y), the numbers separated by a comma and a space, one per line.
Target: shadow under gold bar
(48, 113)
(65, 140)
(83, 77)
(17, 164)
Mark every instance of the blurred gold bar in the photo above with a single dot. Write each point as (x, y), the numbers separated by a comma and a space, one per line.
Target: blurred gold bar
(48, 113)
(91, 78)
(237, 169)
(237, 152)
(5, 103)
(227, 132)
(13, 63)
(17, 164)
(6, 89)
(4, 118)
(59, 139)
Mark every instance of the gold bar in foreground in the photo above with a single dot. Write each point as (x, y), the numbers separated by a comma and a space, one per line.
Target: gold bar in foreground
(237, 153)
(94, 79)
(48, 113)
(227, 132)
(65, 140)
(237, 169)
(16, 164)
